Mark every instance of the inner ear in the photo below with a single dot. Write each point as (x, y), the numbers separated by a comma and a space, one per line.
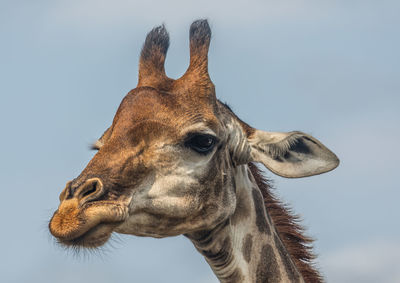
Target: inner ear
(292, 155)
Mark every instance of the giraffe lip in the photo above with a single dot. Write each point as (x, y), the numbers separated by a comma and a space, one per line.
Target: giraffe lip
(90, 226)
(94, 237)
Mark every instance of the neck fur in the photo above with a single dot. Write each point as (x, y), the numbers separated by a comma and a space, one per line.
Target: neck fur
(246, 247)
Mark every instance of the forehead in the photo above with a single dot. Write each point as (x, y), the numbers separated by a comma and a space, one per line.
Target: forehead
(146, 107)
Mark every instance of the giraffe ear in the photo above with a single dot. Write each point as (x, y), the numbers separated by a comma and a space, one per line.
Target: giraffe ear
(291, 155)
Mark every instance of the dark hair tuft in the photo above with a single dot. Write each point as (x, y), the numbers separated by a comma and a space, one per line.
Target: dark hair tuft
(200, 33)
(157, 40)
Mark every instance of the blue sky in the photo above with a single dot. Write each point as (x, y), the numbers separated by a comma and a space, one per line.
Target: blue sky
(328, 68)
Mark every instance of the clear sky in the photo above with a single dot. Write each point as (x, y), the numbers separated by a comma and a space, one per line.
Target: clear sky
(328, 68)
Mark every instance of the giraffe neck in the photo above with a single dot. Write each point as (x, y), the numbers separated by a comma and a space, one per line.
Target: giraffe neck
(246, 247)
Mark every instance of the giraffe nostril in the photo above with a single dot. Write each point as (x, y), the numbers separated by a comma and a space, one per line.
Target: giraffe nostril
(91, 190)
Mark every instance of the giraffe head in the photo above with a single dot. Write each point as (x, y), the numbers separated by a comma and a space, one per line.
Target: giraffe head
(165, 166)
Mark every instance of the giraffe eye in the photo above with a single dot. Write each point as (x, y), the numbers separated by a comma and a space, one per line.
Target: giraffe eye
(201, 143)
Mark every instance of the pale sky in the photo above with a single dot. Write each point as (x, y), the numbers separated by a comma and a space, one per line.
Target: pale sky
(328, 68)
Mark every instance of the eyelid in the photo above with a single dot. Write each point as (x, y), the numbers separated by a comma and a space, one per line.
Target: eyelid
(190, 135)
(198, 128)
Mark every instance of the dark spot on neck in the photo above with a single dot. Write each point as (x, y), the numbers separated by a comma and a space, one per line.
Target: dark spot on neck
(246, 248)
(267, 269)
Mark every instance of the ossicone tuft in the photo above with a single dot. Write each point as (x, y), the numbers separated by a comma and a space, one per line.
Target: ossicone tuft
(157, 41)
(152, 59)
(200, 34)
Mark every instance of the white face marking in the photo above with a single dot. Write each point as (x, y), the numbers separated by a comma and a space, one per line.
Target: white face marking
(177, 190)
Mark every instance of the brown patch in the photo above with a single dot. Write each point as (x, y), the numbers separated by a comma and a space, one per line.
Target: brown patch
(267, 269)
(246, 248)
(287, 262)
(289, 231)
(261, 220)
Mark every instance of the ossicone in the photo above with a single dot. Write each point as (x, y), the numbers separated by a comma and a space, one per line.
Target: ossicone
(196, 81)
(152, 58)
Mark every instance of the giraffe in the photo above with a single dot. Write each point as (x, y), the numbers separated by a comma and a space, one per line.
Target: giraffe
(176, 160)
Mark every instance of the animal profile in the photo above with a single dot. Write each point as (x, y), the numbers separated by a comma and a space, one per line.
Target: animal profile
(177, 161)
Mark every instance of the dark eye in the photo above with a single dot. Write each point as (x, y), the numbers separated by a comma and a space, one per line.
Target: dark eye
(202, 143)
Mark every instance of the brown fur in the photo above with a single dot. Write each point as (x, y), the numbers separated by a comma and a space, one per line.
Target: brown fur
(290, 232)
(155, 111)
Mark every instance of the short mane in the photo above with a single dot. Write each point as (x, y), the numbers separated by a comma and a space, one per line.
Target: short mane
(290, 231)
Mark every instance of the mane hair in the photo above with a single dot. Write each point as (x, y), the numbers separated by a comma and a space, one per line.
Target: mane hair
(289, 230)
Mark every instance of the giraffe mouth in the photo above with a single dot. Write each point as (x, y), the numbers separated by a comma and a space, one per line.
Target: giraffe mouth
(93, 238)
(88, 227)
